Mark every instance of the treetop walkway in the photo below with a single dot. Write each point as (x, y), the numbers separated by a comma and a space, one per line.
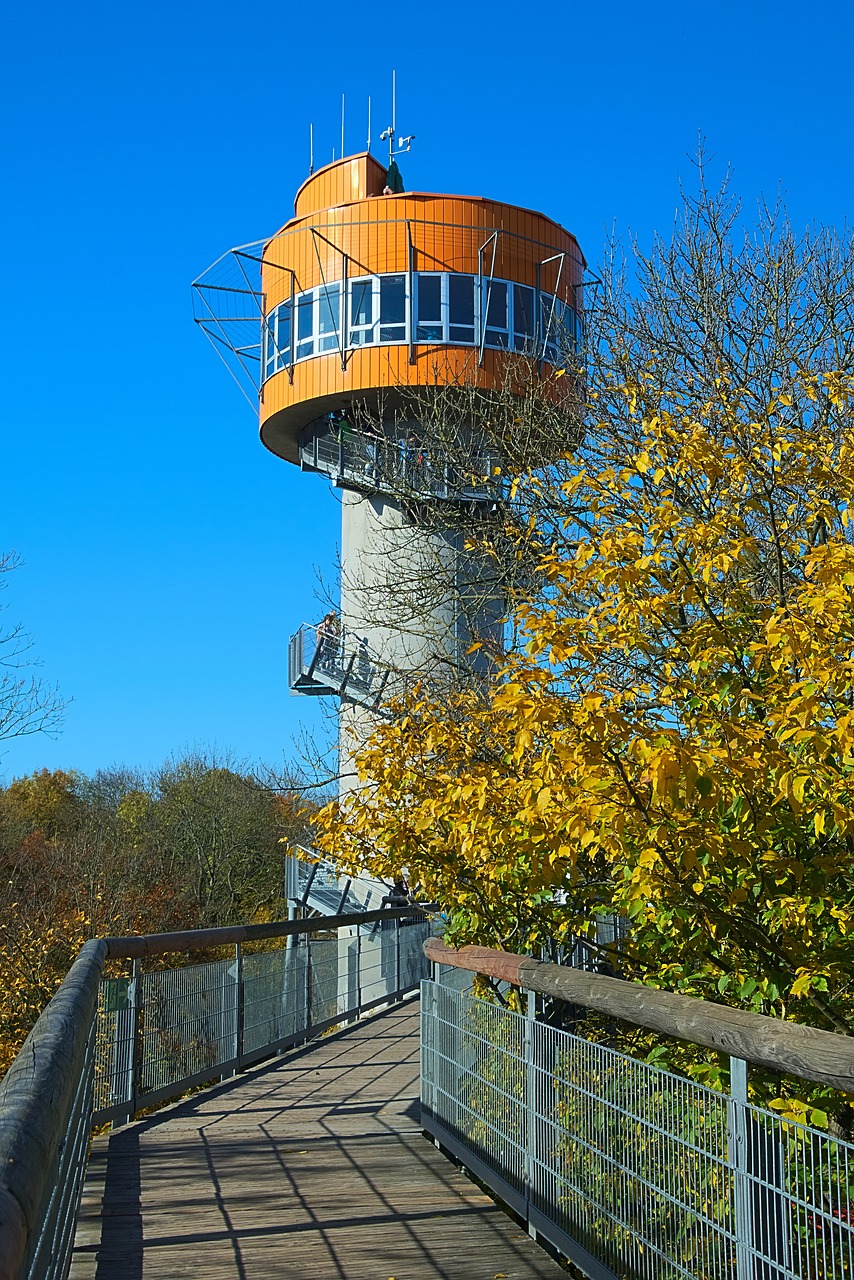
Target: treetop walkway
(314, 1166)
(315, 1163)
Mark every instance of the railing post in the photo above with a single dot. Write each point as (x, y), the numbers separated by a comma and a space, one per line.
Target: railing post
(761, 1205)
(135, 1002)
(358, 969)
(397, 960)
(307, 983)
(530, 1101)
(737, 1143)
(239, 1006)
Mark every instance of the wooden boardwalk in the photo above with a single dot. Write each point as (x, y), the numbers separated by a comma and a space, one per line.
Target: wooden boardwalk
(312, 1167)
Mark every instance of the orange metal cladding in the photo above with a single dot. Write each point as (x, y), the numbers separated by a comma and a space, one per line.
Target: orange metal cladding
(340, 215)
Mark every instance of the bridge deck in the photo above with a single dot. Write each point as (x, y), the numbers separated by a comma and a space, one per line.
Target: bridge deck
(312, 1168)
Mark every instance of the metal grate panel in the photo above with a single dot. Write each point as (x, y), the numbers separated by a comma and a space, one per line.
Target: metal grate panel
(632, 1171)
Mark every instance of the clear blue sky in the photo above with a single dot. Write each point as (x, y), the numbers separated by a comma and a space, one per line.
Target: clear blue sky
(167, 555)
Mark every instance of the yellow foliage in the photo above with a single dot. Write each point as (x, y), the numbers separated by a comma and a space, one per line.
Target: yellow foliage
(673, 743)
(33, 963)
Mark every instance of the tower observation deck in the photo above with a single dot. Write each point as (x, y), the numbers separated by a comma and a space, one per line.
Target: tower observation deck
(341, 327)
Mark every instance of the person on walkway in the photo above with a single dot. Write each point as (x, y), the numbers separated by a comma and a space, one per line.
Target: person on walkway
(328, 634)
(400, 895)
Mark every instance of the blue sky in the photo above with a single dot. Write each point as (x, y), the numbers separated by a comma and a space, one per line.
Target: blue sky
(167, 555)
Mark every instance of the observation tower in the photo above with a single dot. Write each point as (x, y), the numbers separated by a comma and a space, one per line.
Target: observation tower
(354, 330)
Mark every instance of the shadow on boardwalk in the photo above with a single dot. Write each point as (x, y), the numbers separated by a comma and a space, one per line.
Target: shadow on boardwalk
(313, 1166)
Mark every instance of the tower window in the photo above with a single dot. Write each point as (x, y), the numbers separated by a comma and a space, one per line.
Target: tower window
(392, 308)
(305, 324)
(362, 312)
(558, 333)
(523, 318)
(429, 327)
(495, 307)
(461, 308)
(448, 307)
(328, 316)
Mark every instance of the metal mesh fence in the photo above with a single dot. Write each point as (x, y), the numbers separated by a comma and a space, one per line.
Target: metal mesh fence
(189, 1023)
(159, 1033)
(274, 997)
(113, 1044)
(632, 1171)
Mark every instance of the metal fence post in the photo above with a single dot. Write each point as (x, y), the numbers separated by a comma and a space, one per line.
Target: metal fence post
(135, 1000)
(239, 1005)
(358, 969)
(397, 960)
(737, 1142)
(530, 1103)
(307, 982)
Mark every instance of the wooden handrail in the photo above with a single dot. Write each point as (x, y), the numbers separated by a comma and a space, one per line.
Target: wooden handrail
(37, 1095)
(786, 1047)
(158, 944)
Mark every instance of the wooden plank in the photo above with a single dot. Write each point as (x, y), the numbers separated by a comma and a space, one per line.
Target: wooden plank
(310, 1168)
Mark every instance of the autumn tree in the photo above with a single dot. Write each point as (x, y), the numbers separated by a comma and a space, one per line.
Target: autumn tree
(671, 742)
(195, 843)
(218, 832)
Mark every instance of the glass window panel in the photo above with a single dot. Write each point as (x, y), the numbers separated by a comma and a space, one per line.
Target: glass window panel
(283, 330)
(430, 298)
(523, 310)
(564, 326)
(393, 333)
(461, 300)
(362, 302)
(547, 332)
(498, 338)
(305, 316)
(547, 312)
(392, 300)
(429, 328)
(461, 333)
(496, 304)
(329, 308)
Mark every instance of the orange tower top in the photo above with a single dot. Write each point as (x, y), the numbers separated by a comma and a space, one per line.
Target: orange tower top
(363, 292)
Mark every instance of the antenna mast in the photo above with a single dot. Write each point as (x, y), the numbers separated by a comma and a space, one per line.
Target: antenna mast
(310, 149)
(387, 135)
(342, 126)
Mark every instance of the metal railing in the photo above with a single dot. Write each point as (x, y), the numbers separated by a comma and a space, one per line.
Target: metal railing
(341, 664)
(631, 1171)
(400, 463)
(313, 883)
(105, 1048)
